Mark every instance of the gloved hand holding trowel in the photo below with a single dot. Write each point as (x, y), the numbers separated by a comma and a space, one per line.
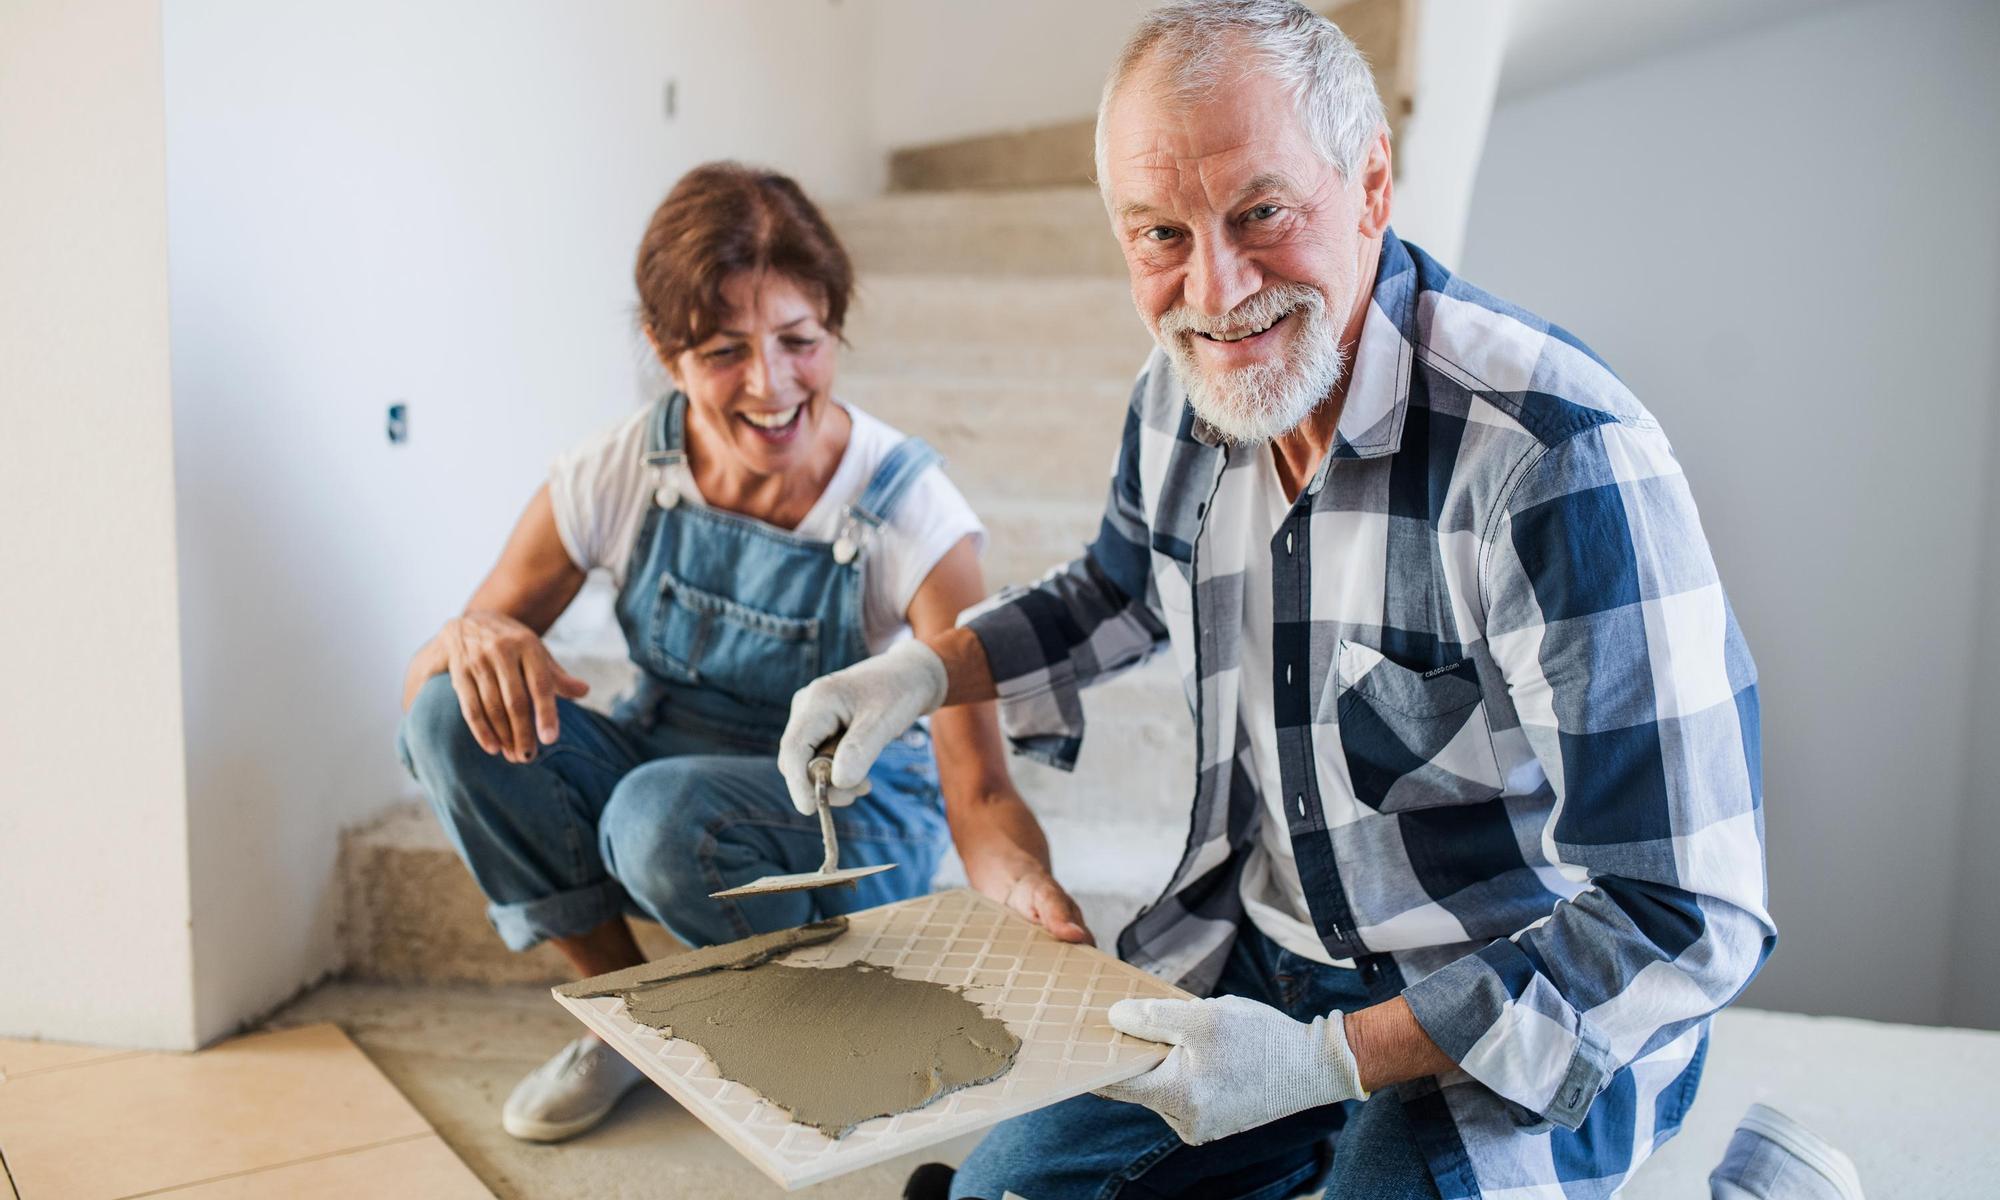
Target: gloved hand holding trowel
(866, 707)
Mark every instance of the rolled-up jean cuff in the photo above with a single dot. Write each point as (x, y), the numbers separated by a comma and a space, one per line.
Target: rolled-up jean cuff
(527, 924)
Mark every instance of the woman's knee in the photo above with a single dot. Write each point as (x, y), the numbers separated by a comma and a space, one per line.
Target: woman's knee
(434, 735)
(649, 833)
(468, 788)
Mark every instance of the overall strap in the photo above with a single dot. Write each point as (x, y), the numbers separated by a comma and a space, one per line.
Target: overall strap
(900, 468)
(666, 430)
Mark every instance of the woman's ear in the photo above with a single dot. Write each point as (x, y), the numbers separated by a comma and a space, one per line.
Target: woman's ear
(666, 364)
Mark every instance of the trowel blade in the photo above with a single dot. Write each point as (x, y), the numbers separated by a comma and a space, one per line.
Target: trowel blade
(798, 883)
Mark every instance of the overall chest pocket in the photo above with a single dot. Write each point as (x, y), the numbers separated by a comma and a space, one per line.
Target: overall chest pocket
(699, 637)
(1413, 739)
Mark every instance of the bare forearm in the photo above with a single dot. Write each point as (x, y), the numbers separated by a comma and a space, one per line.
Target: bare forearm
(968, 676)
(1389, 1046)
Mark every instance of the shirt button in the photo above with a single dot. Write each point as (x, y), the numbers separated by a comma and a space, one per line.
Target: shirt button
(1288, 541)
(1288, 672)
(667, 496)
(1301, 798)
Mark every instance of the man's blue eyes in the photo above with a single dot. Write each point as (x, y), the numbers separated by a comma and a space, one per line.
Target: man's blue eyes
(1263, 212)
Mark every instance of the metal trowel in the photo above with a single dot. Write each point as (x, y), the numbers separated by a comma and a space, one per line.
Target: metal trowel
(819, 770)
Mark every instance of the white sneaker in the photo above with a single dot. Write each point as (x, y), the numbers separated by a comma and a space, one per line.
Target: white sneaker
(569, 1093)
(1773, 1157)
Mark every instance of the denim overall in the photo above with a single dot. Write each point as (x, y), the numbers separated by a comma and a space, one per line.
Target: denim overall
(677, 794)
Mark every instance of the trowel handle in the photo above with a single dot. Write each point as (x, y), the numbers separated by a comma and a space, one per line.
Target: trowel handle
(820, 768)
(820, 771)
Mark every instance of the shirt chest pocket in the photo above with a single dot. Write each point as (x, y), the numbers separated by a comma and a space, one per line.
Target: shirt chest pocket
(699, 637)
(1413, 739)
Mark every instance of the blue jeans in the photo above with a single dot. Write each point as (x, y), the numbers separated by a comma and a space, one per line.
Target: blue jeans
(614, 819)
(1097, 1148)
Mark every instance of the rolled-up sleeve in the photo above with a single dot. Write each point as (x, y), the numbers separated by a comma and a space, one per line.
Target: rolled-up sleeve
(1084, 622)
(1604, 613)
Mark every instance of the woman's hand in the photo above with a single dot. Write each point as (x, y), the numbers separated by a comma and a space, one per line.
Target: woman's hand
(506, 679)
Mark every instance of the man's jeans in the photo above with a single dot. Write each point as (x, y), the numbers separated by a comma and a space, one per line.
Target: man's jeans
(1097, 1148)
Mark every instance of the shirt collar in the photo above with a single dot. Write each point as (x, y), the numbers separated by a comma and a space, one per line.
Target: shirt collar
(1378, 381)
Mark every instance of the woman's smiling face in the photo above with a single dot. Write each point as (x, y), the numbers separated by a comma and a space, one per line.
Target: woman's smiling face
(762, 384)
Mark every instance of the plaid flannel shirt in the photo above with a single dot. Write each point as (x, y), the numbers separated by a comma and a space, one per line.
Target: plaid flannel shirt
(1517, 723)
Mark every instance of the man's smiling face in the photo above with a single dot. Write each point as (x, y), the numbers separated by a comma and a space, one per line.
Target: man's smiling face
(1246, 249)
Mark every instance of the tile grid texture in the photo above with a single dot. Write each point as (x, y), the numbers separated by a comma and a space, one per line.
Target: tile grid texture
(1051, 995)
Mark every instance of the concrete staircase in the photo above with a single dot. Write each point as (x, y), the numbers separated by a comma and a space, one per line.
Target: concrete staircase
(996, 325)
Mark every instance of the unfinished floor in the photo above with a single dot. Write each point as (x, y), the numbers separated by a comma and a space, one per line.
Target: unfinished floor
(457, 1051)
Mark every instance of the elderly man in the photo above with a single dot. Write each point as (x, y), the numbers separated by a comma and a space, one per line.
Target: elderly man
(1476, 846)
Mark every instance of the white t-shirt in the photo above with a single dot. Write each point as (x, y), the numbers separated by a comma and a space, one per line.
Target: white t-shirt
(1273, 897)
(600, 492)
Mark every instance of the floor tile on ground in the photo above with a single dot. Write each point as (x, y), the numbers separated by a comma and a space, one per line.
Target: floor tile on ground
(422, 1167)
(18, 1058)
(112, 1126)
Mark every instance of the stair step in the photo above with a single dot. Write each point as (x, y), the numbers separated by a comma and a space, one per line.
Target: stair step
(413, 915)
(1025, 538)
(1063, 152)
(1044, 156)
(1009, 439)
(1067, 326)
(1044, 231)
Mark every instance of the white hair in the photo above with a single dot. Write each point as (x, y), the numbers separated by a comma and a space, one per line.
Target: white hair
(1307, 54)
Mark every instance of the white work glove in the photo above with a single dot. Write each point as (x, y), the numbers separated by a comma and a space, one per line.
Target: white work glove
(869, 705)
(1235, 1064)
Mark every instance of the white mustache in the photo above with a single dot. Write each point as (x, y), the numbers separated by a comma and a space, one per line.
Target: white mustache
(1259, 312)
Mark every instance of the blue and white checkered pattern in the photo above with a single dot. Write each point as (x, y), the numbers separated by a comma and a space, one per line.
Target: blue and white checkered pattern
(1517, 723)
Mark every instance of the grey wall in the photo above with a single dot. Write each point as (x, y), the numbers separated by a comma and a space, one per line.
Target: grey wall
(1973, 996)
(1787, 243)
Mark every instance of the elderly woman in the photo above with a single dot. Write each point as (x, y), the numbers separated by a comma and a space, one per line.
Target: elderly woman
(761, 533)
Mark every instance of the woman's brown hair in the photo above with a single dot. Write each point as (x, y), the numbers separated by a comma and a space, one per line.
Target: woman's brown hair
(721, 218)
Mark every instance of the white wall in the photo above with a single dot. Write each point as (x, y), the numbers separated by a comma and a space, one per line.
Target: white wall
(436, 204)
(1459, 47)
(944, 70)
(1787, 244)
(93, 841)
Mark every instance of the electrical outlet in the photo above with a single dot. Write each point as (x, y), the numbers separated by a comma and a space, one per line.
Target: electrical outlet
(399, 423)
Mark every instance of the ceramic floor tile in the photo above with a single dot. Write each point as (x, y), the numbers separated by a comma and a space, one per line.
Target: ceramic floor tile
(20, 1057)
(136, 1124)
(421, 1168)
(1051, 995)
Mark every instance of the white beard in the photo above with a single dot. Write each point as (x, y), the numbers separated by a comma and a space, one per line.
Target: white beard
(1254, 405)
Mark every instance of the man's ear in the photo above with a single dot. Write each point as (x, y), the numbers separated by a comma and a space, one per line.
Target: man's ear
(1378, 186)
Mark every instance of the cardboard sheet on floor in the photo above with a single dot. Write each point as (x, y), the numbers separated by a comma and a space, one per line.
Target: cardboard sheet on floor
(1051, 995)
